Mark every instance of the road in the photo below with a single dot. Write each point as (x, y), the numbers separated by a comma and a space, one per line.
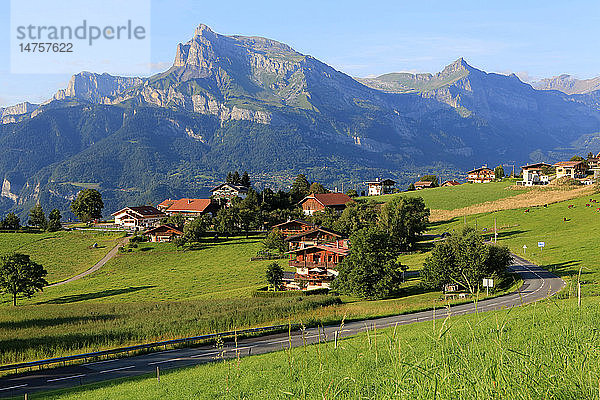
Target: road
(537, 284)
(113, 252)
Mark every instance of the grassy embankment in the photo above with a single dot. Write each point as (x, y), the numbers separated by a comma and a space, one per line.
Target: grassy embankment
(548, 350)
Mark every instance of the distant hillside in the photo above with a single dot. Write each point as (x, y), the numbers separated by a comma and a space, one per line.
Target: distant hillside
(255, 104)
(568, 84)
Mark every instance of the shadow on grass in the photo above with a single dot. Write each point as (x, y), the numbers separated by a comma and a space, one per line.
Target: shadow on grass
(47, 322)
(566, 268)
(95, 295)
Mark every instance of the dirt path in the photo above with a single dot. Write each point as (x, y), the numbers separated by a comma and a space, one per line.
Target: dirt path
(529, 199)
(97, 266)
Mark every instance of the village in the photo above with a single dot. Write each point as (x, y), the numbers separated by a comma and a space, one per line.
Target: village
(313, 250)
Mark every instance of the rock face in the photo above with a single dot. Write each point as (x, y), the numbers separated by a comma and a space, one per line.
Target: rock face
(251, 103)
(14, 113)
(568, 84)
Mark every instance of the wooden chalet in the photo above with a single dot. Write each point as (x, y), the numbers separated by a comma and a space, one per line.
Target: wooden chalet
(571, 169)
(317, 235)
(316, 266)
(423, 185)
(225, 192)
(138, 217)
(533, 174)
(294, 227)
(379, 187)
(321, 201)
(481, 175)
(450, 183)
(189, 207)
(163, 233)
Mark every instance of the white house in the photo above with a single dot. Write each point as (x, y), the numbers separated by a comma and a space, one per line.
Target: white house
(138, 217)
(533, 174)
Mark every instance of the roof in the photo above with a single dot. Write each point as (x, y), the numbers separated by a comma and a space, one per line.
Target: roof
(382, 182)
(451, 183)
(298, 221)
(190, 205)
(479, 170)
(142, 211)
(568, 163)
(239, 188)
(339, 250)
(169, 227)
(165, 203)
(317, 229)
(423, 183)
(329, 199)
(536, 165)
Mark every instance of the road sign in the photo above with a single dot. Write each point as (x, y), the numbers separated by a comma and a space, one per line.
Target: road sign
(524, 248)
(488, 282)
(541, 244)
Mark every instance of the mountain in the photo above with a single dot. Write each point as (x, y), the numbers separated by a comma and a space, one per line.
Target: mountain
(255, 104)
(568, 84)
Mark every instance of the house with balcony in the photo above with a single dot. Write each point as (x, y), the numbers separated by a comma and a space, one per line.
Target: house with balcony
(190, 208)
(137, 218)
(294, 227)
(163, 233)
(226, 192)
(481, 175)
(533, 174)
(378, 187)
(423, 185)
(317, 235)
(571, 169)
(316, 266)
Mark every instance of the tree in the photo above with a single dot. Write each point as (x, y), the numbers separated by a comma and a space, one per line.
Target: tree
(430, 178)
(245, 181)
(227, 221)
(371, 270)
(300, 188)
(88, 205)
(37, 217)
(54, 223)
(316, 188)
(177, 220)
(21, 276)
(591, 155)
(326, 218)
(194, 230)
(404, 219)
(275, 240)
(464, 259)
(499, 172)
(274, 275)
(577, 158)
(352, 193)
(11, 221)
(411, 188)
(356, 216)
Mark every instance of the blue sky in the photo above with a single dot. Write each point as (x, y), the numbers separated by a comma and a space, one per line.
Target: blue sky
(531, 38)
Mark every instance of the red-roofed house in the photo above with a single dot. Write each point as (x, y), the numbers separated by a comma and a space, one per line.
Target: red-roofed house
(190, 207)
(316, 266)
(163, 233)
(423, 185)
(318, 235)
(450, 183)
(321, 201)
(165, 204)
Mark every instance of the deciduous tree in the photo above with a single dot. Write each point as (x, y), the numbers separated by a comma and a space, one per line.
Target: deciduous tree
(404, 219)
(54, 223)
(88, 205)
(21, 276)
(274, 275)
(37, 218)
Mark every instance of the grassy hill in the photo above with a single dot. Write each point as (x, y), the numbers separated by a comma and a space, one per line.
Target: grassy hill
(482, 356)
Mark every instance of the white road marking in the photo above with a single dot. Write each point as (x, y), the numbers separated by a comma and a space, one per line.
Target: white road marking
(65, 377)
(116, 369)
(165, 361)
(205, 354)
(102, 362)
(14, 387)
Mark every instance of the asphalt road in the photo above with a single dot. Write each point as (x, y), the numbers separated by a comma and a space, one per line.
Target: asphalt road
(537, 284)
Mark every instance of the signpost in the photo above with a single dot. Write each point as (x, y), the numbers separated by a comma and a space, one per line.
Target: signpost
(524, 248)
(541, 245)
(487, 284)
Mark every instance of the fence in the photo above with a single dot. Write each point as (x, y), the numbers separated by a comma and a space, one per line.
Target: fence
(98, 354)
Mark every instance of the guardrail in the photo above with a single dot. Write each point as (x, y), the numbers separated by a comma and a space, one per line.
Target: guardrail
(97, 354)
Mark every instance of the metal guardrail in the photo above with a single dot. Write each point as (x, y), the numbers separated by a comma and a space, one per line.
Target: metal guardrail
(84, 356)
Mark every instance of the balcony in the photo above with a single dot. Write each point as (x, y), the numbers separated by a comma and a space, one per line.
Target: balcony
(308, 264)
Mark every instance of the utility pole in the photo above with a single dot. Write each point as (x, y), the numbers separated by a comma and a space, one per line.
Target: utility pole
(495, 232)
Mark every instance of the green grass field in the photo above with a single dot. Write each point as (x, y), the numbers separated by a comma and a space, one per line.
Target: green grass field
(63, 254)
(570, 245)
(452, 197)
(548, 350)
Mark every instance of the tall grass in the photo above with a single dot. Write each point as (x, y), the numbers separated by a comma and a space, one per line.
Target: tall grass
(549, 350)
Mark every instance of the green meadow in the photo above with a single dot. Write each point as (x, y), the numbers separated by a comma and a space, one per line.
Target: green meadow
(452, 197)
(63, 254)
(548, 350)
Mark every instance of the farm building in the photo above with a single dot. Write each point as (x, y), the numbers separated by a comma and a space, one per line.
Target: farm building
(322, 201)
(379, 187)
(294, 227)
(423, 185)
(316, 266)
(313, 237)
(450, 183)
(163, 233)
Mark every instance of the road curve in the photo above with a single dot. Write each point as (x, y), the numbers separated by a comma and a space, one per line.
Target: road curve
(537, 284)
